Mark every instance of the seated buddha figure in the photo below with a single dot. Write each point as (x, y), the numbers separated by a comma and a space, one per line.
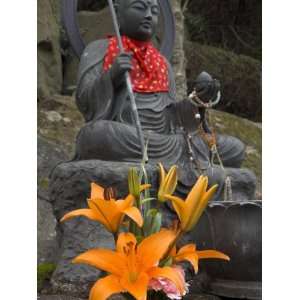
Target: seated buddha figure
(110, 133)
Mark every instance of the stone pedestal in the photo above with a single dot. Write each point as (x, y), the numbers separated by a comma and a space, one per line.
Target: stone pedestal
(69, 189)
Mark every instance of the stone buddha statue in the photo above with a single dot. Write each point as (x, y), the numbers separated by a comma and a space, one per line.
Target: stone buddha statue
(108, 144)
(110, 133)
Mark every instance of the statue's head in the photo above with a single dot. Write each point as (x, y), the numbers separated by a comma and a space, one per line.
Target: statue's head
(138, 19)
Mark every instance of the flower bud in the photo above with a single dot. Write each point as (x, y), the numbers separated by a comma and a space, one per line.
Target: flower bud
(134, 183)
(168, 182)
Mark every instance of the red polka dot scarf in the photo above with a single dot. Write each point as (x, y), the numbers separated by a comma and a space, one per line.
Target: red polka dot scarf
(149, 73)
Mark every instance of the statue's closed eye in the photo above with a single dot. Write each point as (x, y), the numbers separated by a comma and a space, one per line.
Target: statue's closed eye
(139, 5)
(155, 10)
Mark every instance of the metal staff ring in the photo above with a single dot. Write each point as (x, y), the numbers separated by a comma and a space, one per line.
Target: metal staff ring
(70, 23)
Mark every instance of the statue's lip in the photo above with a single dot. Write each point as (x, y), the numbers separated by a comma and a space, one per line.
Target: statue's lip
(146, 23)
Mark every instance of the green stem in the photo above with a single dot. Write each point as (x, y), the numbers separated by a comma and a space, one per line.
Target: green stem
(158, 205)
(178, 237)
(139, 203)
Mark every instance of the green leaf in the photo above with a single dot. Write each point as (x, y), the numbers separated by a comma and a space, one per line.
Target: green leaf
(147, 200)
(148, 220)
(166, 262)
(139, 238)
(134, 183)
(156, 223)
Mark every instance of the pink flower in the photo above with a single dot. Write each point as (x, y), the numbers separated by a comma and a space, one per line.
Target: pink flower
(167, 286)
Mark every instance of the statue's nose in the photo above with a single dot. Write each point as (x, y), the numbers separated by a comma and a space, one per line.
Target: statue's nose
(149, 15)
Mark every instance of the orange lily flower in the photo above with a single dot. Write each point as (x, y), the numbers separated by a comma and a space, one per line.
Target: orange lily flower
(131, 266)
(189, 253)
(109, 212)
(167, 182)
(190, 210)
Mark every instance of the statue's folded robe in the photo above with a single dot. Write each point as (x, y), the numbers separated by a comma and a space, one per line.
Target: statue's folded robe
(110, 132)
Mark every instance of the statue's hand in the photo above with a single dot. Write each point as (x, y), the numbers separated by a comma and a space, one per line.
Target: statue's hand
(121, 65)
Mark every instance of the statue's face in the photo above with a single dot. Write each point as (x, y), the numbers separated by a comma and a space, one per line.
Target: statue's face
(138, 18)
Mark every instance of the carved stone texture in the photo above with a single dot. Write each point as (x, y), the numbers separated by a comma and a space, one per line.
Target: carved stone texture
(49, 53)
(201, 297)
(69, 189)
(120, 297)
(66, 297)
(48, 155)
(58, 297)
(79, 235)
(179, 59)
(70, 182)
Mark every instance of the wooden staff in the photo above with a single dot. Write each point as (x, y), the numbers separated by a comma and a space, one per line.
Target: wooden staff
(128, 81)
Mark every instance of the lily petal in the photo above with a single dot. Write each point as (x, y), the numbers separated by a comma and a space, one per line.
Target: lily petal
(168, 182)
(124, 239)
(169, 273)
(173, 251)
(196, 193)
(135, 215)
(152, 248)
(138, 287)
(110, 212)
(103, 219)
(105, 287)
(86, 212)
(171, 180)
(162, 174)
(127, 202)
(97, 191)
(191, 257)
(179, 206)
(199, 209)
(187, 249)
(189, 253)
(144, 187)
(205, 254)
(103, 259)
(209, 194)
(106, 207)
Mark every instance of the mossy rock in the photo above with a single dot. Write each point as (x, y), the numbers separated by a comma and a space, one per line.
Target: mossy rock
(249, 133)
(49, 63)
(44, 272)
(240, 78)
(59, 121)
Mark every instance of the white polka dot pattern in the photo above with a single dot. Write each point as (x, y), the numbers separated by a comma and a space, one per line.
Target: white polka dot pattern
(149, 73)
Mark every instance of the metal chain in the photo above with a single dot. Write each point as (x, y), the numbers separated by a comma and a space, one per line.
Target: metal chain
(214, 153)
(227, 186)
(211, 142)
(193, 159)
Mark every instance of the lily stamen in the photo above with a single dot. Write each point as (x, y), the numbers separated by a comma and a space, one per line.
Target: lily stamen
(110, 193)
